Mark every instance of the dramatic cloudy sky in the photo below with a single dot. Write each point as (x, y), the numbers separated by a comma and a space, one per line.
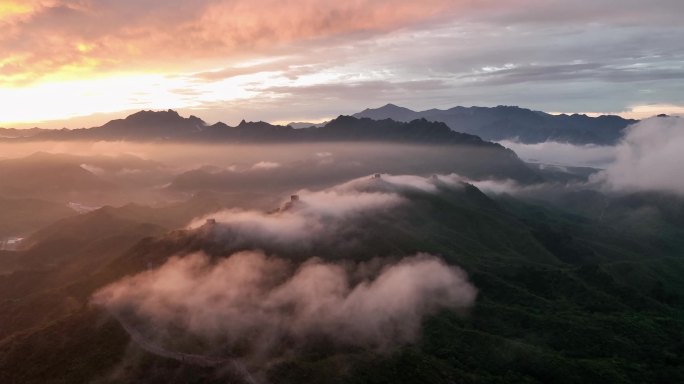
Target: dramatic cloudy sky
(80, 62)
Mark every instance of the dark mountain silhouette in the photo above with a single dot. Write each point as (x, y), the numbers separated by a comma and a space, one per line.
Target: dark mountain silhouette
(143, 125)
(349, 128)
(398, 113)
(498, 123)
(149, 124)
(170, 126)
(475, 157)
(514, 123)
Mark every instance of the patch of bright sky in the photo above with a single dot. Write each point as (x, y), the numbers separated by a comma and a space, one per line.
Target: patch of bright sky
(66, 99)
(54, 100)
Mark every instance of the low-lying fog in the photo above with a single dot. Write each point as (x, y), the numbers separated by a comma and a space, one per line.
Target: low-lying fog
(188, 156)
(648, 158)
(93, 174)
(43, 181)
(46, 181)
(563, 154)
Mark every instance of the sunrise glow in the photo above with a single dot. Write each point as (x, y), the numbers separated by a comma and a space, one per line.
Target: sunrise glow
(225, 60)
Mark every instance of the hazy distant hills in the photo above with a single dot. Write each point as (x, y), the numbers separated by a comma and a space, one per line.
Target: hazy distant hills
(14, 133)
(514, 123)
(43, 175)
(334, 164)
(473, 156)
(66, 178)
(430, 126)
(21, 215)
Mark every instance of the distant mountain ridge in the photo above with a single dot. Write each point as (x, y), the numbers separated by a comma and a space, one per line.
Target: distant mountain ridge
(490, 124)
(170, 126)
(514, 123)
(13, 133)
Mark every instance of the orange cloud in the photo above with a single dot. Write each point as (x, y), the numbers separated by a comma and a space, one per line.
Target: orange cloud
(10, 9)
(239, 23)
(61, 38)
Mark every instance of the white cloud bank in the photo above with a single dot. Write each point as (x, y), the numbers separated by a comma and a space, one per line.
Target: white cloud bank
(263, 308)
(650, 157)
(551, 152)
(260, 307)
(317, 214)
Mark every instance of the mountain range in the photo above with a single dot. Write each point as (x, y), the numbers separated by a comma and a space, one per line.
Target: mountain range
(387, 123)
(170, 126)
(484, 157)
(514, 123)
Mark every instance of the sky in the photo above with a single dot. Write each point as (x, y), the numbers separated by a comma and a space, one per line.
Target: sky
(79, 63)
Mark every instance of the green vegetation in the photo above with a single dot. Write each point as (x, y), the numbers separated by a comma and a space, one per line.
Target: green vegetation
(563, 297)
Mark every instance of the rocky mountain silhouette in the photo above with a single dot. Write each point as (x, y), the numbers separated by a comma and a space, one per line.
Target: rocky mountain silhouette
(514, 123)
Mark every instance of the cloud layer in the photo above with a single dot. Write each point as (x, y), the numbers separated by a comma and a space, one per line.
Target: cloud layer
(323, 58)
(67, 36)
(263, 299)
(563, 154)
(321, 216)
(260, 307)
(650, 157)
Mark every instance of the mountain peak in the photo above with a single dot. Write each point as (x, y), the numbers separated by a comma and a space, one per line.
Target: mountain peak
(393, 107)
(390, 105)
(151, 124)
(388, 111)
(151, 114)
(168, 117)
